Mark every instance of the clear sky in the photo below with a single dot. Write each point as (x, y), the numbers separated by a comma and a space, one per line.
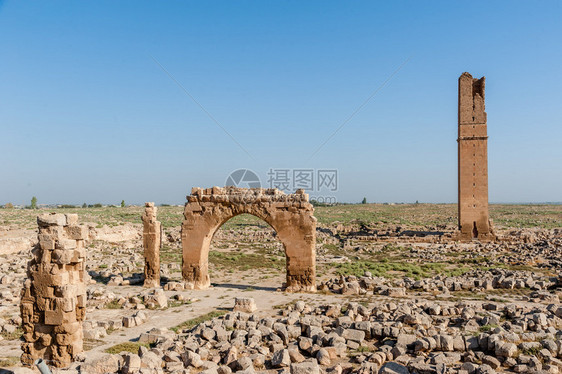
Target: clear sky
(87, 115)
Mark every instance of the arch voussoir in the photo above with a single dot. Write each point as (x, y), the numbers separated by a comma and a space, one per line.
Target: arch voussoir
(291, 216)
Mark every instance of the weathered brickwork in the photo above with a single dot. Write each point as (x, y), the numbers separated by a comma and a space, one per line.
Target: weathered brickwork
(472, 140)
(151, 241)
(291, 216)
(53, 302)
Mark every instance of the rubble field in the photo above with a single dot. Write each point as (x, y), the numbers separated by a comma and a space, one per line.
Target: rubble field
(396, 294)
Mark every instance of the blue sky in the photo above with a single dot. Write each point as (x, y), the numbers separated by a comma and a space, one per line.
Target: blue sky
(86, 115)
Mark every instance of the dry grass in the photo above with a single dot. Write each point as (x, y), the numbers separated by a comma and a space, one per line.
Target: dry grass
(504, 215)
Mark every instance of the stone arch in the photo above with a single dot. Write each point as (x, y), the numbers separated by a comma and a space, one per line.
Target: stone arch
(291, 216)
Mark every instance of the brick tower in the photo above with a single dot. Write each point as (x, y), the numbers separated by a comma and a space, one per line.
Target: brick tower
(474, 222)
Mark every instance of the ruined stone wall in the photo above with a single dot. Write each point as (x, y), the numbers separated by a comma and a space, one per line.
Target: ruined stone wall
(473, 160)
(151, 241)
(291, 216)
(53, 302)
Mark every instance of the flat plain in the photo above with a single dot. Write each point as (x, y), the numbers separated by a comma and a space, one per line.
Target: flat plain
(396, 267)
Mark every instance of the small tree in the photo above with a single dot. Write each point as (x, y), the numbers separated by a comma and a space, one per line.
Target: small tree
(9, 206)
(84, 205)
(364, 201)
(122, 203)
(33, 202)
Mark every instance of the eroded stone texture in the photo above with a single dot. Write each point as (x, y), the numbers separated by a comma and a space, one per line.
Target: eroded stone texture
(151, 241)
(245, 304)
(53, 302)
(472, 140)
(291, 216)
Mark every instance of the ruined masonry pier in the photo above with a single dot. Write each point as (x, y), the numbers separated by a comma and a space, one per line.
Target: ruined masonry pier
(151, 241)
(53, 303)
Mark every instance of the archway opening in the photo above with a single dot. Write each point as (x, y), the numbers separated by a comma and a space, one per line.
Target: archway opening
(290, 215)
(246, 253)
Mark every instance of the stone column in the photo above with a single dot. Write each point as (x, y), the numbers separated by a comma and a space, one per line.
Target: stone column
(151, 241)
(53, 302)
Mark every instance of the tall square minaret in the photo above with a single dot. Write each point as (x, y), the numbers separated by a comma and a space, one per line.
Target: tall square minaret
(472, 140)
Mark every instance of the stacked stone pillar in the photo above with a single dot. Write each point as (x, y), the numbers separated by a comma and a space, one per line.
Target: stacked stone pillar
(151, 241)
(53, 303)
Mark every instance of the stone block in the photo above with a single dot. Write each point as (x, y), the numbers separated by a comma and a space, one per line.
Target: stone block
(46, 242)
(68, 328)
(71, 219)
(66, 304)
(66, 244)
(129, 321)
(51, 219)
(63, 256)
(63, 339)
(306, 367)
(58, 317)
(81, 301)
(245, 304)
(56, 232)
(76, 232)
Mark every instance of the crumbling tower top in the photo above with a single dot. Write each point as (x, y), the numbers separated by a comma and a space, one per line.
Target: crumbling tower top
(471, 100)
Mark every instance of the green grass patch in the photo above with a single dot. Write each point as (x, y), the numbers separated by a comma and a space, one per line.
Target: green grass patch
(363, 349)
(113, 305)
(392, 269)
(191, 323)
(176, 303)
(535, 351)
(487, 328)
(7, 362)
(132, 347)
(246, 261)
(12, 335)
(170, 255)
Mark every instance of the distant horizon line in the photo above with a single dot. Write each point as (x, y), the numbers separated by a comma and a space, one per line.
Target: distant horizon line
(117, 205)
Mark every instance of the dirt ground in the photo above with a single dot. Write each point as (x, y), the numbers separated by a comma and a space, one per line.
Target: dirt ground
(389, 241)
